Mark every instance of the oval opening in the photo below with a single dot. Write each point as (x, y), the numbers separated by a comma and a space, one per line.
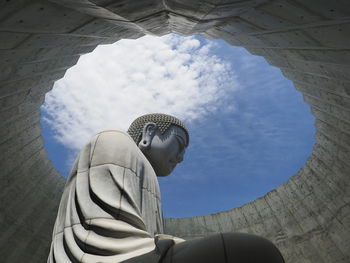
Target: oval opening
(250, 129)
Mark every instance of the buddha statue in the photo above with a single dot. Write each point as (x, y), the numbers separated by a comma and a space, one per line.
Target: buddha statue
(110, 210)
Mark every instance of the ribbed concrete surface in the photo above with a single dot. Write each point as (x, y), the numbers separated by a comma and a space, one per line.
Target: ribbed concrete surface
(308, 217)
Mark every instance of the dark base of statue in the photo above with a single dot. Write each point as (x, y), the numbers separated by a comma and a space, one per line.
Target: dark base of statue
(226, 247)
(220, 248)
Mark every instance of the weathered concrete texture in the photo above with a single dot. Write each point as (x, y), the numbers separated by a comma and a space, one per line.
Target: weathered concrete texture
(308, 217)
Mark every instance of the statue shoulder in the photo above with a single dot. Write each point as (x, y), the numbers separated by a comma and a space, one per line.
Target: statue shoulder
(116, 134)
(114, 146)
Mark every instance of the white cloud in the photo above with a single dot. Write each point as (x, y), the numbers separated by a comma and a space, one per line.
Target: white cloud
(117, 83)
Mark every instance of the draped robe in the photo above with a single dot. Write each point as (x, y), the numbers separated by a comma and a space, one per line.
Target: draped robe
(110, 208)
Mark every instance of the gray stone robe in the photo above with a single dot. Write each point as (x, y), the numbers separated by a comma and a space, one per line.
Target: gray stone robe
(110, 208)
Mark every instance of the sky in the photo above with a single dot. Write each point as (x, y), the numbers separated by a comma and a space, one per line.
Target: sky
(250, 130)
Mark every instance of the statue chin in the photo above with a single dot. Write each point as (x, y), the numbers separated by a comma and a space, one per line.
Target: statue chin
(161, 171)
(160, 168)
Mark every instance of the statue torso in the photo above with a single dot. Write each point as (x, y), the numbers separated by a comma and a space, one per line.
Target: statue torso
(110, 208)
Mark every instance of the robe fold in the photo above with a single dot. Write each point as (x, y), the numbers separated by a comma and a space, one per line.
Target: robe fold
(110, 209)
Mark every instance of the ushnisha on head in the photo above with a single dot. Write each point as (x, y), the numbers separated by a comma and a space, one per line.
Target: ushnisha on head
(162, 138)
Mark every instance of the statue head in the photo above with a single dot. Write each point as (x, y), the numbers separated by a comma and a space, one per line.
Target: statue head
(162, 138)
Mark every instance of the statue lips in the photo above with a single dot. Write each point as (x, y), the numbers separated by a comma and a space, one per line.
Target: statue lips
(172, 165)
(169, 168)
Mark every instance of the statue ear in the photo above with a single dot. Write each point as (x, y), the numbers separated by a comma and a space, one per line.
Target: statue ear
(148, 132)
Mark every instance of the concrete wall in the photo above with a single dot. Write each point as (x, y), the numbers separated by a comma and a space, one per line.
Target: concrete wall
(308, 217)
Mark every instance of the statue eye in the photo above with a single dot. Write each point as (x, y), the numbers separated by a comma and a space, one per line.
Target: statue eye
(181, 143)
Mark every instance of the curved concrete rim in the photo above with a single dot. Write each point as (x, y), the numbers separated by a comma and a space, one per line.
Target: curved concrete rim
(308, 217)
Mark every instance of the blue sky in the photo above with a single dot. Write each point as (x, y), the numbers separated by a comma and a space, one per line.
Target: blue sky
(250, 129)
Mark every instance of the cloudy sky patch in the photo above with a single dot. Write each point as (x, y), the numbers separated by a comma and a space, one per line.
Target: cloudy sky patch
(250, 129)
(117, 83)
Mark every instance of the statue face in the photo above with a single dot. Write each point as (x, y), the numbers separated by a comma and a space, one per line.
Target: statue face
(166, 150)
